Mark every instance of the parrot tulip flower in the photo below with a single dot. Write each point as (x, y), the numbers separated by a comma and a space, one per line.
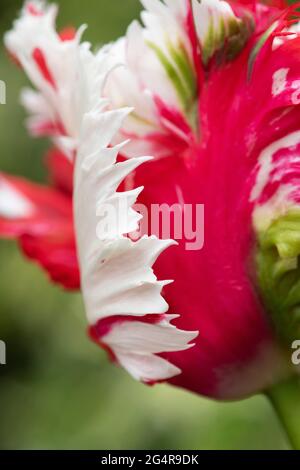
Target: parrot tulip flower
(211, 91)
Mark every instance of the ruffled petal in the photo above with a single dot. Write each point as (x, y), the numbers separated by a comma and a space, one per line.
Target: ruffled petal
(159, 80)
(54, 65)
(123, 297)
(60, 170)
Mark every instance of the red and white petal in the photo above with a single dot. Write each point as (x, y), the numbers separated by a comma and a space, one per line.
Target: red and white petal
(13, 203)
(223, 28)
(41, 219)
(213, 19)
(276, 222)
(136, 345)
(276, 188)
(42, 119)
(159, 80)
(290, 32)
(117, 278)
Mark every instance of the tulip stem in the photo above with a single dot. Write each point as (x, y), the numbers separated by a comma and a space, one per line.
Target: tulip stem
(285, 399)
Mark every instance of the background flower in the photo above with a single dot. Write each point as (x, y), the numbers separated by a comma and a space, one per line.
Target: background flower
(96, 372)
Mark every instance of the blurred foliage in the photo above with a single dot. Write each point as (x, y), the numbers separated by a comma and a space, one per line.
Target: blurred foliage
(58, 391)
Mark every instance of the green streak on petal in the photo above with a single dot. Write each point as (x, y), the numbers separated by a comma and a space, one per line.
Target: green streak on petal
(255, 51)
(240, 33)
(188, 76)
(182, 75)
(182, 61)
(278, 270)
(172, 74)
(228, 39)
(209, 43)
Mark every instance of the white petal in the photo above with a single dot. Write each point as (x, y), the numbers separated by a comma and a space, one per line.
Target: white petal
(135, 344)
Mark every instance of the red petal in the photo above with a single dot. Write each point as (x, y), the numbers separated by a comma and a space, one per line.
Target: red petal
(33, 10)
(215, 289)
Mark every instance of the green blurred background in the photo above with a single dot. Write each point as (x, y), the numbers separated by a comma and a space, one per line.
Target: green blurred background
(58, 391)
